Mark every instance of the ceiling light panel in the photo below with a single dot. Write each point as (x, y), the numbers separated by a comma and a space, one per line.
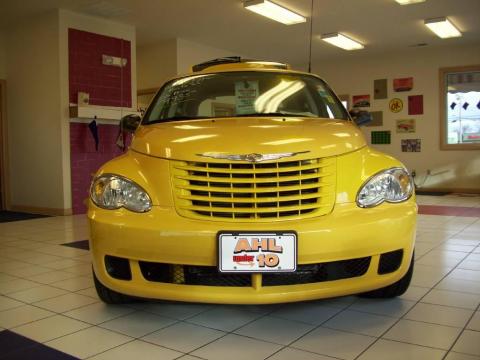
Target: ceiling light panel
(274, 11)
(342, 41)
(443, 27)
(409, 2)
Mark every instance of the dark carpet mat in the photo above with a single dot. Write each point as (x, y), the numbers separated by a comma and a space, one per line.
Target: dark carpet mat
(17, 347)
(81, 244)
(7, 216)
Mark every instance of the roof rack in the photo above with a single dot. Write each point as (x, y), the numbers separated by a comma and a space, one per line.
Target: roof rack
(235, 60)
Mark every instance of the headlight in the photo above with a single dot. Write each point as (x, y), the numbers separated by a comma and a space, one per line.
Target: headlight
(392, 185)
(113, 192)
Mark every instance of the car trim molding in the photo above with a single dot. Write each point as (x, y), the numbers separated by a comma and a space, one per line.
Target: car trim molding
(253, 157)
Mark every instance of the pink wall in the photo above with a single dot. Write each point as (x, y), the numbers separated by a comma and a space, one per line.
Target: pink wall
(85, 160)
(104, 83)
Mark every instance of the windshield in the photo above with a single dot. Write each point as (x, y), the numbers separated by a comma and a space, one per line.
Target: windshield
(248, 93)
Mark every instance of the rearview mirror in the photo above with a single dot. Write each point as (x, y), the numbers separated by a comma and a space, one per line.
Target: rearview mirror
(129, 123)
(361, 117)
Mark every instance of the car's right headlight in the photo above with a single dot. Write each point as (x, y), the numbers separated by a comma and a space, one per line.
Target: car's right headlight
(392, 185)
(110, 191)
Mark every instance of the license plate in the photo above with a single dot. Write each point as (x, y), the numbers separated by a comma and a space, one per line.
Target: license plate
(252, 252)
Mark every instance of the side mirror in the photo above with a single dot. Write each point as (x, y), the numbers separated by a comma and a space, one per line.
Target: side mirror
(129, 123)
(361, 117)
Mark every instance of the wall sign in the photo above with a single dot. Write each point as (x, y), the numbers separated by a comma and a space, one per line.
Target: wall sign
(415, 105)
(380, 89)
(411, 145)
(377, 118)
(381, 137)
(403, 84)
(361, 101)
(395, 105)
(405, 126)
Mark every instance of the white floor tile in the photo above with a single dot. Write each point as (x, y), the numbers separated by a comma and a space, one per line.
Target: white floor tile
(439, 314)
(7, 303)
(334, 343)
(37, 293)
(50, 328)
(180, 311)
(224, 318)
(457, 356)
(88, 342)
(361, 323)
(137, 324)
(419, 333)
(450, 298)
(137, 350)
(468, 343)
(392, 350)
(295, 354)
(99, 312)
(276, 330)
(474, 323)
(395, 307)
(184, 337)
(65, 302)
(22, 315)
(313, 313)
(235, 347)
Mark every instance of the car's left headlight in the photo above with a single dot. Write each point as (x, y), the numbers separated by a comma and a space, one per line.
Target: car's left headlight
(392, 185)
(110, 191)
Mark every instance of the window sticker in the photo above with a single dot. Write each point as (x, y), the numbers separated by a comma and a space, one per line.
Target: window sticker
(246, 93)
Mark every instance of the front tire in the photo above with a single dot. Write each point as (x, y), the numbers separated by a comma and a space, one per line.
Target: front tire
(396, 289)
(109, 296)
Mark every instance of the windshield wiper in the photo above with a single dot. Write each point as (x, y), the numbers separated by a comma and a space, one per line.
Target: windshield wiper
(281, 114)
(176, 118)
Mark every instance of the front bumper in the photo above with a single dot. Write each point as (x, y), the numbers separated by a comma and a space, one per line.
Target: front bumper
(162, 236)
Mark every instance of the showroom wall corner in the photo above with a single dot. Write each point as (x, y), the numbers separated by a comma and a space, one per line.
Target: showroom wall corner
(79, 167)
(354, 75)
(3, 56)
(33, 103)
(157, 62)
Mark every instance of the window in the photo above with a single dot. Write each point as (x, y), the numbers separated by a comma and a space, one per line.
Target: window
(460, 108)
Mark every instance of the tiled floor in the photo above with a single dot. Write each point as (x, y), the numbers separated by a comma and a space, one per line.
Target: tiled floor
(49, 308)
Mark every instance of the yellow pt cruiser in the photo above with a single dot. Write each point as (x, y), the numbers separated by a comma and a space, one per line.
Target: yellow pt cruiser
(249, 183)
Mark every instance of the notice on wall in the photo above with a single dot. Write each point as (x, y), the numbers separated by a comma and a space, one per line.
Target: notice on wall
(415, 105)
(411, 145)
(361, 101)
(395, 105)
(403, 84)
(380, 89)
(405, 126)
(381, 137)
(377, 118)
(246, 93)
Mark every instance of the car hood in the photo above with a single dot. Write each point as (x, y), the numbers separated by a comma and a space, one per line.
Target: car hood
(184, 140)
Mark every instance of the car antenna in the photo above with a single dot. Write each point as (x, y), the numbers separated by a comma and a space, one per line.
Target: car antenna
(310, 40)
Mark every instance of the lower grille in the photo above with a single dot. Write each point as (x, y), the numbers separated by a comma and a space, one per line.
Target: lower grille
(209, 275)
(390, 262)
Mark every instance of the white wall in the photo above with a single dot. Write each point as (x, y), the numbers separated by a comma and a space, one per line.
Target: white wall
(355, 75)
(3, 56)
(190, 53)
(68, 19)
(156, 63)
(33, 103)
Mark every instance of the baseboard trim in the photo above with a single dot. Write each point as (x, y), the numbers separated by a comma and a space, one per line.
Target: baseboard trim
(40, 210)
(451, 190)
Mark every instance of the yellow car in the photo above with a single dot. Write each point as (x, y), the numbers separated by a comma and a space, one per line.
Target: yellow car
(249, 183)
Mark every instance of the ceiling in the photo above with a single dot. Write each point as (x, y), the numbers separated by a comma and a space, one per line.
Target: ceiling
(382, 25)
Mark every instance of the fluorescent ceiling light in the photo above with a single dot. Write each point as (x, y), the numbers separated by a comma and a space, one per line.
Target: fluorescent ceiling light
(342, 41)
(274, 11)
(443, 28)
(408, 2)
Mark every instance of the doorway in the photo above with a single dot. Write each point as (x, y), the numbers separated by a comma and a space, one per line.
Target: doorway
(3, 147)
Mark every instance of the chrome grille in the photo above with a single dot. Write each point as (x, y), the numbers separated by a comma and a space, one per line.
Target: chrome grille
(254, 191)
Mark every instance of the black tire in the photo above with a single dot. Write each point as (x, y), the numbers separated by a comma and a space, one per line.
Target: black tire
(396, 289)
(110, 296)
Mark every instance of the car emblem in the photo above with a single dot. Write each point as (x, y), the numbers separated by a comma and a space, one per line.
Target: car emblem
(253, 158)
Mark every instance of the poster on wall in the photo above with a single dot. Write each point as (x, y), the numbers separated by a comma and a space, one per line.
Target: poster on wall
(381, 137)
(380, 89)
(361, 101)
(395, 105)
(377, 118)
(415, 105)
(403, 84)
(405, 126)
(411, 145)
